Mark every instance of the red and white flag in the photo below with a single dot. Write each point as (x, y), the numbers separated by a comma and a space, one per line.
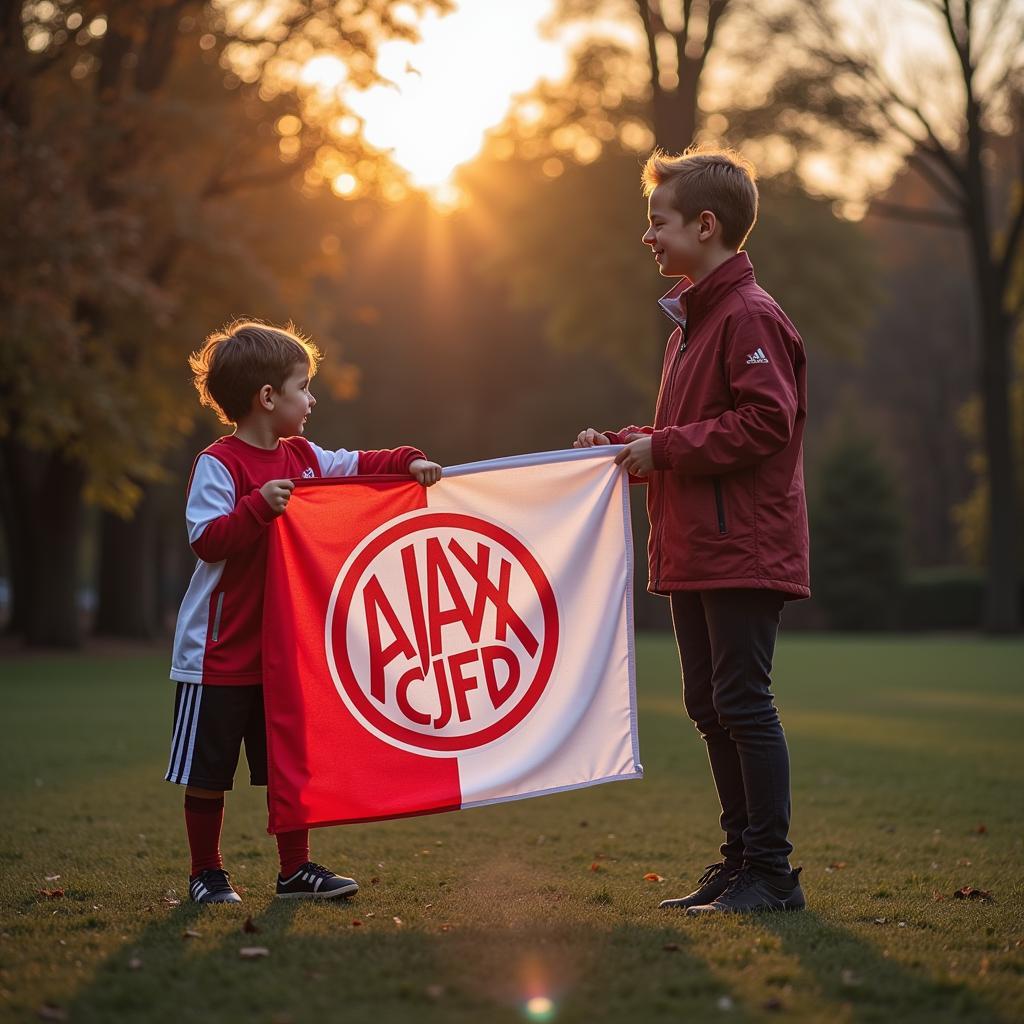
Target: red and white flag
(431, 649)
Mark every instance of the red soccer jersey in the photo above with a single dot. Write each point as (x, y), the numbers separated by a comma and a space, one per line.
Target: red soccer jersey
(217, 638)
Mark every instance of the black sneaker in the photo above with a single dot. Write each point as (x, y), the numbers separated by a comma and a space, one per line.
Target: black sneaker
(314, 882)
(710, 886)
(752, 890)
(212, 886)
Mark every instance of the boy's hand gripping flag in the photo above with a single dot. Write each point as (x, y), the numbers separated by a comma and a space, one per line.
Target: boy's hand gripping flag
(430, 649)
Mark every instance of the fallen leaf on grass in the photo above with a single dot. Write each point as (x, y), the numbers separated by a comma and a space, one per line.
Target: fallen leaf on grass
(427, 906)
(356, 923)
(135, 964)
(398, 921)
(963, 862)
(849, 978)
(671, 947)
(51, 894)
(49, 1011)
(434, 991)
(968, 892)
(191, 933)
(172, 901)
(981, 830)
(653, 877)
(250, 927)
(725, 1003)
(374, 881)
(880, 920)
(446, 927)
(595, 866)
(253, 952)
(837, 866)
(51, 878)
(938, 897)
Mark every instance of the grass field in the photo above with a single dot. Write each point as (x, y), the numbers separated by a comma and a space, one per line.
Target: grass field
(907, 777)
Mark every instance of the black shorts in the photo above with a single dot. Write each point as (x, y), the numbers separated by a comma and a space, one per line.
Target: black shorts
(210, 725)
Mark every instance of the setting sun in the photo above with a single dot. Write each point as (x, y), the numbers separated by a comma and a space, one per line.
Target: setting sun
(449, 88)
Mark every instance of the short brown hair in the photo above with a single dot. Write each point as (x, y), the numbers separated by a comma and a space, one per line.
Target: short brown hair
(234, 363)
(708, 178)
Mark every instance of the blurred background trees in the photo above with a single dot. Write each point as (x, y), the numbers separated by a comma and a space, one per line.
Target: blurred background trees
(171, 164)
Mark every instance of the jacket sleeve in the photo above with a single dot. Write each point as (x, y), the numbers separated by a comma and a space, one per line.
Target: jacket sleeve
(619, 436)
(388, 460)
(345, 463)
(218, 527)
(760, 366)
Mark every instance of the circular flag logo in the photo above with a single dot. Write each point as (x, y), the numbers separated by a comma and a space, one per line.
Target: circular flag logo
(442, 631)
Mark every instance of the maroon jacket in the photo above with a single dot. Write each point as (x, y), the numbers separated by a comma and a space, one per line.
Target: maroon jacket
(726, 498)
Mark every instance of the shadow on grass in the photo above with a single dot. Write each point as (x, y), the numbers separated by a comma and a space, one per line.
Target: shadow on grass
(857, 976)
(321, 969)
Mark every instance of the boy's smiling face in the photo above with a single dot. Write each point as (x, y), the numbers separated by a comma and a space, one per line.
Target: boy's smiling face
(675, 244)
(293, 403)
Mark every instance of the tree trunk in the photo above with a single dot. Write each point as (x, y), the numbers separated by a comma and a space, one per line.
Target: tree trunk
(127, 577)
(675, 117)
(15, 483)
(52, 546)
(1003, 599)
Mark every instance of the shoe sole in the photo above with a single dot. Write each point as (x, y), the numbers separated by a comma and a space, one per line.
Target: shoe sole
(702, 912)
(347, 890)
(207, 902)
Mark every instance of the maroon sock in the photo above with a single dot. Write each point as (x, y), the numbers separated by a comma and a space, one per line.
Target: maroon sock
(203, 820)
(293, 849)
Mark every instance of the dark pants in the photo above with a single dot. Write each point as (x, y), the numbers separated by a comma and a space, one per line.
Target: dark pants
(726, 642)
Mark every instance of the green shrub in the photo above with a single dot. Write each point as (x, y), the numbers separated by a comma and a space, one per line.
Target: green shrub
(856, 537)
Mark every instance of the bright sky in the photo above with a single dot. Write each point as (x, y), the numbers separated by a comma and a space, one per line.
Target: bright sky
(456, 83)
(460, 79)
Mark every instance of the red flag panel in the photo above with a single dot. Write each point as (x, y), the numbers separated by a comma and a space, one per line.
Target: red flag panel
(325, 767)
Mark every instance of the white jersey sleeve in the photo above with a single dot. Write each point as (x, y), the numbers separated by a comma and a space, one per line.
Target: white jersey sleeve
(339, 463)
(210, 496)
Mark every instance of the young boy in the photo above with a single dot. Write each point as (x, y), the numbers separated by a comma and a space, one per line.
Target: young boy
(728, 545)
(257, 378)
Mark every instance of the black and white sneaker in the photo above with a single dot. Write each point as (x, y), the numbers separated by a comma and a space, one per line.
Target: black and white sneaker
(315, 882)
(755, 891)
(212, 886)
(710, 886)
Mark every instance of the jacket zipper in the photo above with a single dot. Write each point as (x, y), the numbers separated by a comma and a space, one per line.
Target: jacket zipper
(216, 616)
(683, 339)
(719, 504)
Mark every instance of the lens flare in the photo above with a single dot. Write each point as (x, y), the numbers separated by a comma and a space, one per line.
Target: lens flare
(539, 1008)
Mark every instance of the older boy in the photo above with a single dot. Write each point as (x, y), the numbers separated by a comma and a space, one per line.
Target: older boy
(257, 378)
(724, 467)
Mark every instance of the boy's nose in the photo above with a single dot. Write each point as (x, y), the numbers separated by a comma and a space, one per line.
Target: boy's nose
(648, 238)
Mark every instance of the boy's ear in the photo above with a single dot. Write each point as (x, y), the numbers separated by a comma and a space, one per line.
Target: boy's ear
(265, 398)
(707, 223)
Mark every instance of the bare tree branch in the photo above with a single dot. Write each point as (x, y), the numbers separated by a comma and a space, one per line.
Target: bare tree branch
(220, 186)
(1010, 252)
(917, 214)
(715, 11)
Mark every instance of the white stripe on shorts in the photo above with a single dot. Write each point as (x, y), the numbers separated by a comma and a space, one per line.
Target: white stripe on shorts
(182, 722)
(184, 739)
(176, 735)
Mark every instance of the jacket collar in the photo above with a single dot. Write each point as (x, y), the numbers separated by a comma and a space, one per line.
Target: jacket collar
(686, 302)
